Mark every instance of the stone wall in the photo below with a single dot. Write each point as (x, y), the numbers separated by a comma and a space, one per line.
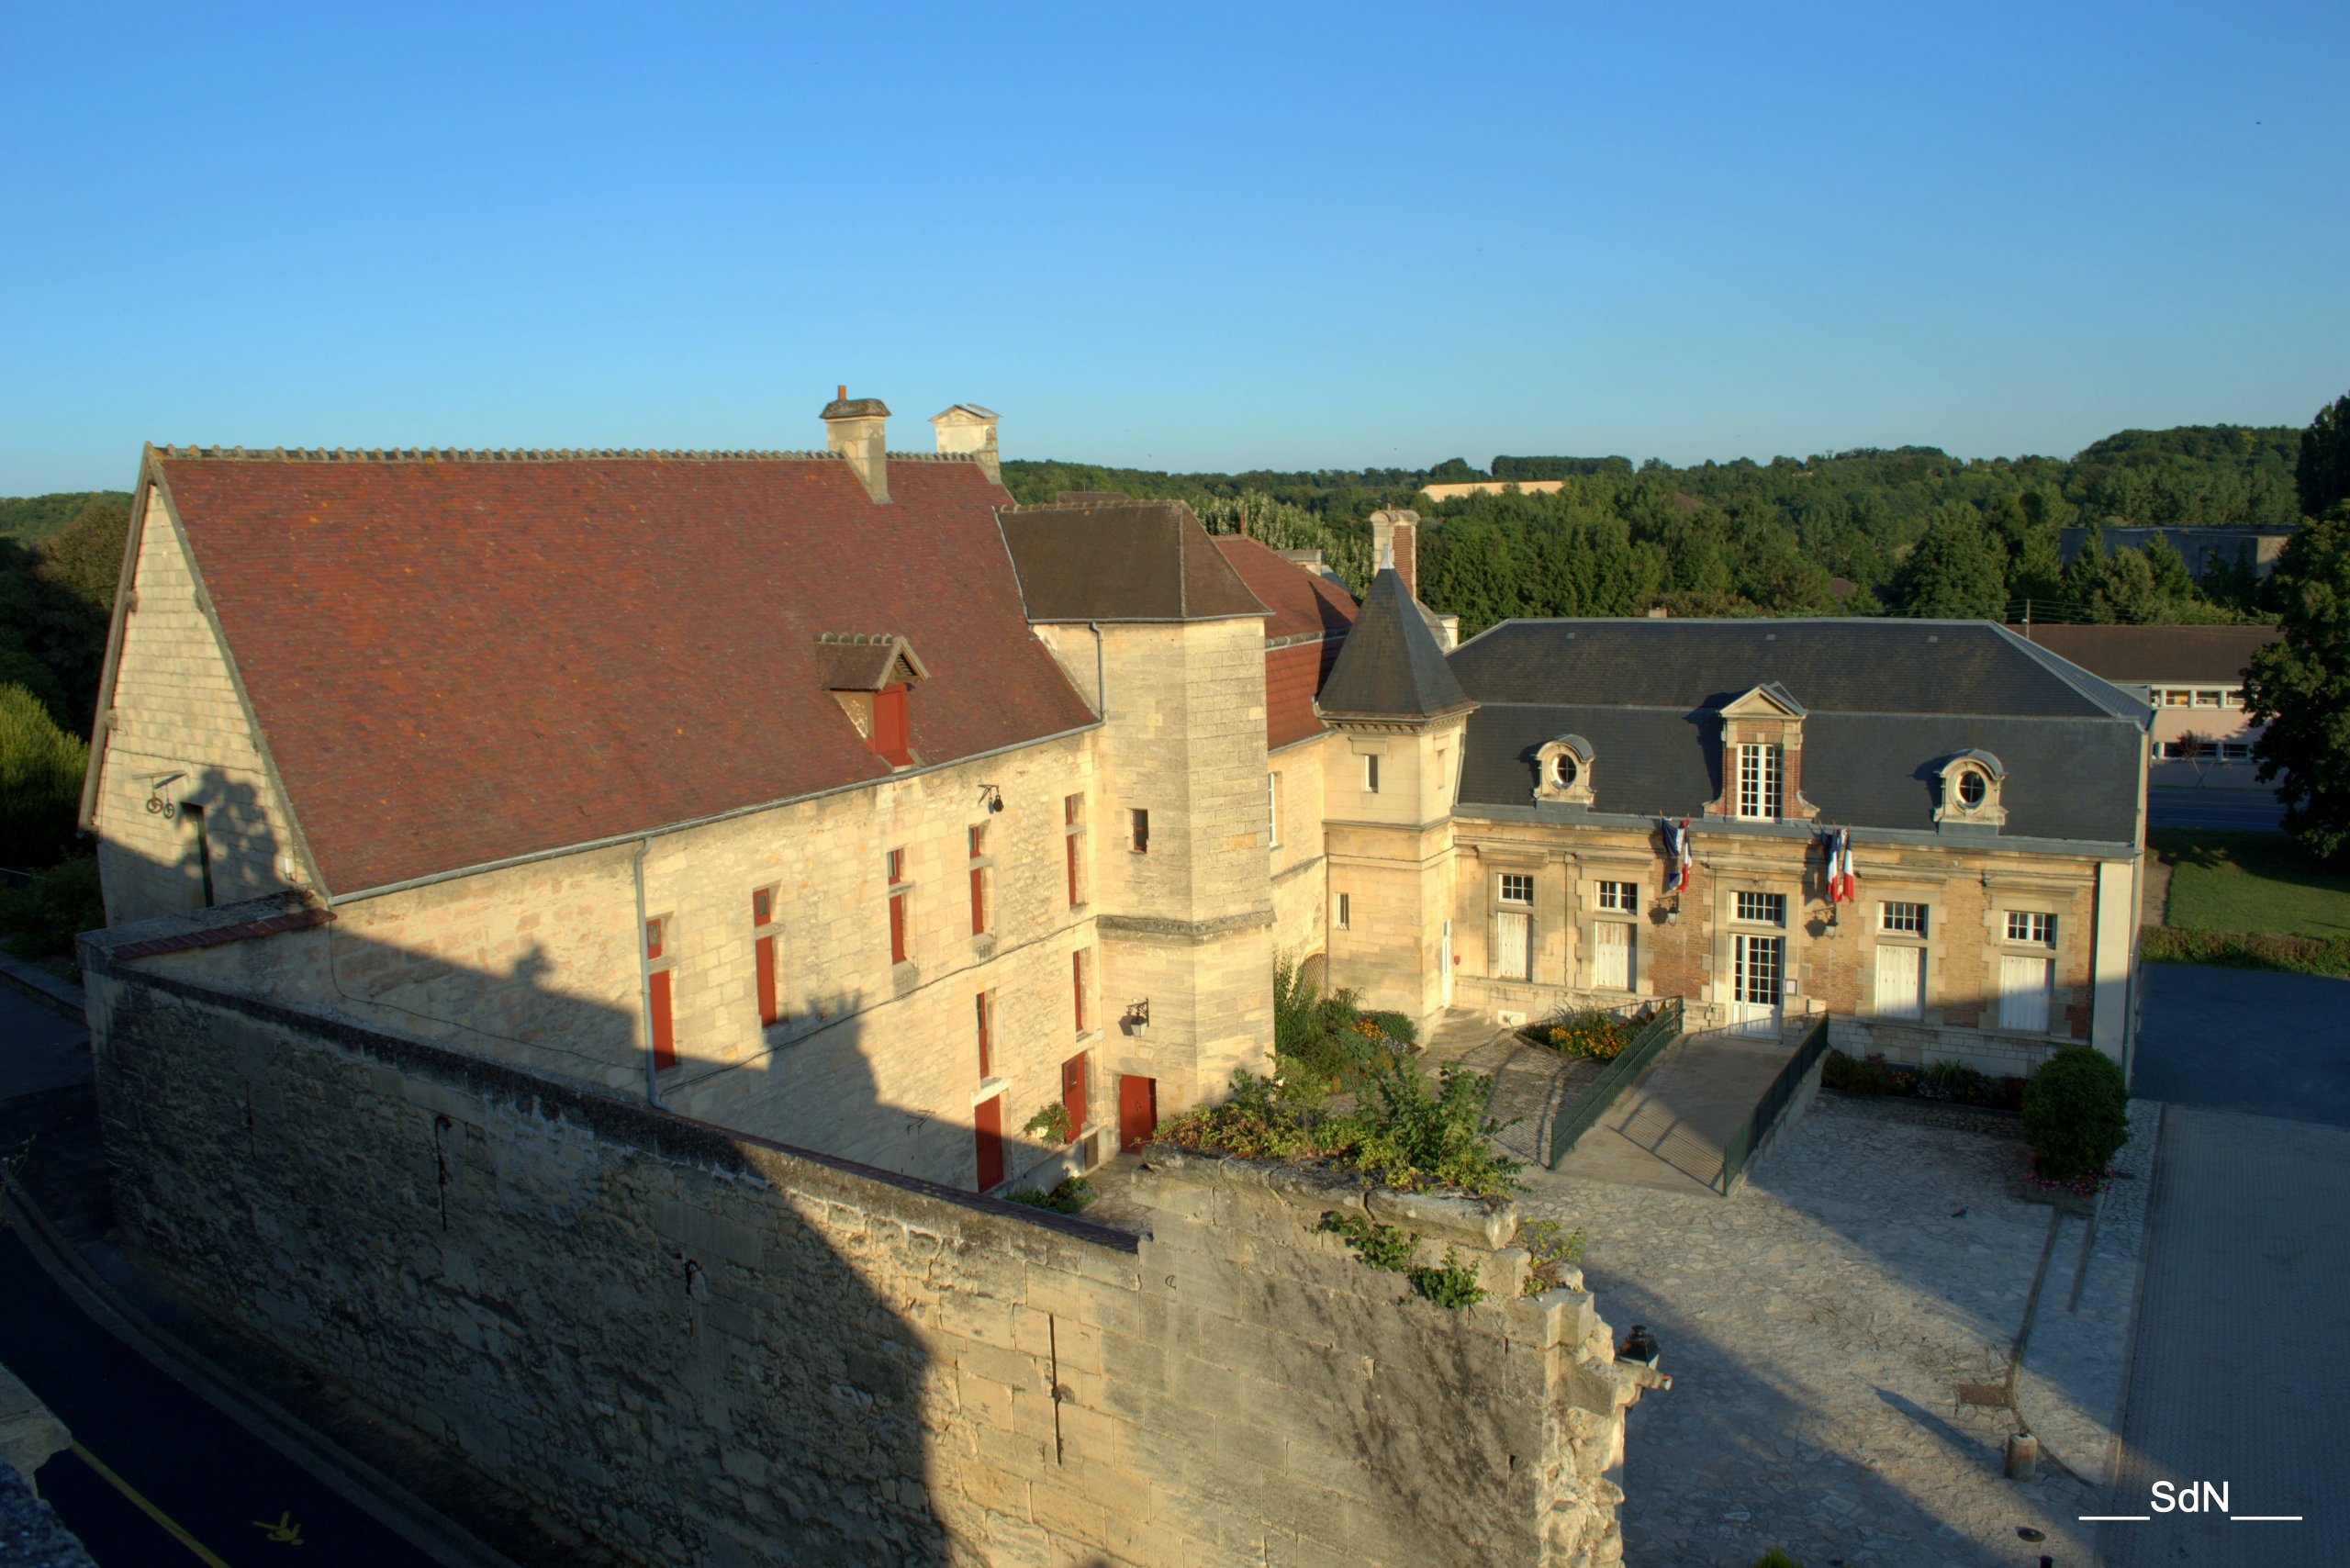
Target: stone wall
(686, 1346)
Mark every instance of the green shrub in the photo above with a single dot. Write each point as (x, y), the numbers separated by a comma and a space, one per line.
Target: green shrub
(1327, 1044)
(2246, 950)
(1399, 1135)
(41, 921)
(1379, 1245)
(1774, 1557)
(1450, 1284)
(1051, 1122)
(1554, 1249)
(1871, 1075)
(1072, 1195)
(41, 782)
(2075, 1115)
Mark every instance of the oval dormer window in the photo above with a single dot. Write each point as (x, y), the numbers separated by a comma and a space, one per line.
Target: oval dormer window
(1972, 789)
(1564, 770)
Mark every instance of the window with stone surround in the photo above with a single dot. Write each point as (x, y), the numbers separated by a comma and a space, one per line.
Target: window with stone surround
(1623, 898)
(1902, 919)
(763, 965)
(1139, 829)
(1762, 909)
(983, 1006)
(1072, 830)
(2032, 927)
(981, 870)
(901, 896)
(1758, 782)
(1370, 773)
(659, 960)
(1080, 969)
(1516, 887)
(1345, 916)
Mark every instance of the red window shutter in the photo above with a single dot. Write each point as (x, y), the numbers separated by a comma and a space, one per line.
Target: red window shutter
(665, 1040)
(1071, 841)
(892, 735)
(898, 928)
(764, 949)
(979, 902)
(1076, 980)
(1073, 1092)
(987, 1127)
(981, 1001)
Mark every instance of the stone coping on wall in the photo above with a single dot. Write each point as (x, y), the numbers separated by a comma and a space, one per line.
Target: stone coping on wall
(624, 1121)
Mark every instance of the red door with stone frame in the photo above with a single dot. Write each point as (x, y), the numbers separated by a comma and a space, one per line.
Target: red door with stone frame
(987, 1129)
(1137, 1109)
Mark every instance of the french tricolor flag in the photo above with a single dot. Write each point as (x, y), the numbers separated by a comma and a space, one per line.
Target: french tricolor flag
(1676, 855)
(1844, 887)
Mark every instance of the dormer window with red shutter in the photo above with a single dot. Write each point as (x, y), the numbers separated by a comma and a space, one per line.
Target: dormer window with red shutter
(872, 675)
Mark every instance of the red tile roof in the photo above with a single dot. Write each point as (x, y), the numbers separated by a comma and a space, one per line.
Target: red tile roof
(2142, 654)
(1311, 615)
(458, 661)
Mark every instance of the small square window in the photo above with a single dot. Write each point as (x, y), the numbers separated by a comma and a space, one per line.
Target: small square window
(1622, 897)
(978, 840)
(897, 862)
(1902, 919)
(2032, 926)
(1763, 909)
(1517, 886)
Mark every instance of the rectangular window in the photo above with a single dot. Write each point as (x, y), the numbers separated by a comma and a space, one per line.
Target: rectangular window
(1139, 831)
(2207, 700)
(984, 1006)
(1073, 1073)
(1079, 969)
(1517, 886)
(2028, 925)
(1758, 782)
(1759, 961)
(1273, 810)
(2177, 699)
(2023, 993)
(2235, 751)
(1611, 954)
(1900, 982)
(662, 1027)
(1906, 919)
(2232, 698)
(197, 849)
(900, 892)
(1763, 909)
(978, 843)
(1370, 773)
(763, 951)
(1443, 779)
(986, 1134)
(1623, 898)
(892, 737)
(1346, 911)
(1072, 829)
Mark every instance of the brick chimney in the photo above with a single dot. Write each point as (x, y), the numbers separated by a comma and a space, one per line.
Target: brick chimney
(966, 427)
(1398, 532)
(855, 427)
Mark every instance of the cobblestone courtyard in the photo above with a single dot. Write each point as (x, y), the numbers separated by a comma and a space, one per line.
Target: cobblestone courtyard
(1817, 1323)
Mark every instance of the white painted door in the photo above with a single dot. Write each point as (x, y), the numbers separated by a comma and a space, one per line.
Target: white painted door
(2024, 994)
(1611, 956)
(1444, 964)
(1900, 982)
(1513, 949)
(1757, 963)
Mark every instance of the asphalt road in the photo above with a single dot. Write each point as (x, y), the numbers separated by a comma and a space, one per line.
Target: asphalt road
(2239, 811)
(2240, 1373)
(238, 1498)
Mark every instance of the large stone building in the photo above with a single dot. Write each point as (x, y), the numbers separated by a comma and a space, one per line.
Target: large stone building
(2191, 681)
(831, 797)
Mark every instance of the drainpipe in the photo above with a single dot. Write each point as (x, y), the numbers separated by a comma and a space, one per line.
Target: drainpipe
(645, 978)
(1100, 675)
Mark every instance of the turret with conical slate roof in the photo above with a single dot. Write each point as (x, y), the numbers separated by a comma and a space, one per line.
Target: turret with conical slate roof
(1392, 667)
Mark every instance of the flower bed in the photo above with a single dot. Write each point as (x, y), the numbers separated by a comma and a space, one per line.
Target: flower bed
(1399, 1135)
(1947, 1082)
(1593, 1033)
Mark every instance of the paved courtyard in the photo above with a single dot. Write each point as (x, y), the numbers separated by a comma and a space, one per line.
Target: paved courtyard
(1816, 1324)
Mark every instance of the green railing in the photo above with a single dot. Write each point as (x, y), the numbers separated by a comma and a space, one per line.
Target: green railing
(1773, 1103)
(1577, 1117)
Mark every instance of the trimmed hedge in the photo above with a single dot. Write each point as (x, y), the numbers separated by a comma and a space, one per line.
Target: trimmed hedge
(2246, 950)
(2075, 1115)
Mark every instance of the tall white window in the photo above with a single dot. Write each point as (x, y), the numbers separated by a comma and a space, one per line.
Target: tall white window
(1346, 911)
(1514, 925)
(2023, 993)
(1370, 773)
(1758, 781)
(1900, 981)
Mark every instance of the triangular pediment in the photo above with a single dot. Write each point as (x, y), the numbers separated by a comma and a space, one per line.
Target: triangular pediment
(1768, 701)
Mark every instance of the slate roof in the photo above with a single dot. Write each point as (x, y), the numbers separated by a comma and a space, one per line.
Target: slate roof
(1391, 665)
(1308, 626)
(462, 660)
(1888, 702)
(2155, 654)
(1122, 561)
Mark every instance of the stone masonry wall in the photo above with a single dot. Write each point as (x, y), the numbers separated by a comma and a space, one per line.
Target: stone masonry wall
(690, 1346)
(181, 735)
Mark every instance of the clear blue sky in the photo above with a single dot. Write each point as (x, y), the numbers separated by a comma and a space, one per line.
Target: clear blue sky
(1200, 238)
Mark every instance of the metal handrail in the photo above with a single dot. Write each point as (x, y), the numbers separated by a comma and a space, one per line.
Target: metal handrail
(1578, 1116)
(1767, 1110)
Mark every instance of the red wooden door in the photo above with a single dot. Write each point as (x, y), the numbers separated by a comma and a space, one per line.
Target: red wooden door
(1137, 1109)
(987, 1126)
(1073, 1092)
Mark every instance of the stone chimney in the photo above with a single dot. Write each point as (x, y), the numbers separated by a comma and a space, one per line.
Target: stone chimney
(1398, 532)
(966, 427)
(855, 427)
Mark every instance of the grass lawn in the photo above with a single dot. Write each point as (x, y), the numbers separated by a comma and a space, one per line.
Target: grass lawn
(2251, 882)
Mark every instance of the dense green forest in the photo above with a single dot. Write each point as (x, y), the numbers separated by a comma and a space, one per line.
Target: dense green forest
(1909, 531)
(30, 518)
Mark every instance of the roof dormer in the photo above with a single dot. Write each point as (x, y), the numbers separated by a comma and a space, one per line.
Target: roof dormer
(1562, 771)
(1762, 758)
(1968, 785)
(872, 676)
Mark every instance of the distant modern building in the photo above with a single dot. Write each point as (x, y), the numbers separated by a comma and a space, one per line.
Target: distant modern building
(2202, 548)
(2191, 677)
